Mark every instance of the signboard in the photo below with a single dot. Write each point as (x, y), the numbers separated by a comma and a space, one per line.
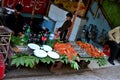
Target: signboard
(40, 6)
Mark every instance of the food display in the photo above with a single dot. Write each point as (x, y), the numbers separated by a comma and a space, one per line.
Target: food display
(70, 52)
(90, 49)
(65, 48)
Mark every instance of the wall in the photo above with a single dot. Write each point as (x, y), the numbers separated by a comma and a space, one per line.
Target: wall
(57, 14)
(83, 22)
(49, 24)
(98, 20)
(75, 29)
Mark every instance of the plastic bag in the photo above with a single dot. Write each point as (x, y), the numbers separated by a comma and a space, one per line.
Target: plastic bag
(106, 50)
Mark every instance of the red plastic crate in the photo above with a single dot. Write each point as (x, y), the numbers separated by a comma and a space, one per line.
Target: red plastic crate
(2, 67)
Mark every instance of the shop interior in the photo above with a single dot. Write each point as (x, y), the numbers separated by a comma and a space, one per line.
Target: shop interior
(38, 42)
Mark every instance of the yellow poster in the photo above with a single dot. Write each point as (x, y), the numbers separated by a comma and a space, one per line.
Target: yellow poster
(71, 5)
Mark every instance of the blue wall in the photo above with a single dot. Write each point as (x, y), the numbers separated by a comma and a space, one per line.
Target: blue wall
(100, 21)
(50, 24)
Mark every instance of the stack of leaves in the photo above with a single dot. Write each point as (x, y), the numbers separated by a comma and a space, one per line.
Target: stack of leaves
(90, 49)
(26, 60)
(65, 48)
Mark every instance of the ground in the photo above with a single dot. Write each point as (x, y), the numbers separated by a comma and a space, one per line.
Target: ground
(93, 72)
(109, 73)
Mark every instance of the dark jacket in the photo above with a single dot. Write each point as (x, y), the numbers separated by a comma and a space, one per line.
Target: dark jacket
(15, 22)
(66, 25)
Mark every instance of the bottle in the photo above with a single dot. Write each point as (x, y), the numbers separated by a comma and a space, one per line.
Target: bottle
(24, 28)
(27, 34)
(28, 31)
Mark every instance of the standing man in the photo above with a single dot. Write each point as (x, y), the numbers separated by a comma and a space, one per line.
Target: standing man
(114, 44)
(64, 29)
(15, 20)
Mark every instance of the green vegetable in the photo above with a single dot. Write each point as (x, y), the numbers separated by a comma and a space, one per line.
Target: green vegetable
(24, 60)
(101, 61)
(27, 60)
(47, 60)
(74, 65)
(73, 62)
(16, 40)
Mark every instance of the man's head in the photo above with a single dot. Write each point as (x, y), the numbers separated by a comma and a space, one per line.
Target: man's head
(69, 16)
(18, 8)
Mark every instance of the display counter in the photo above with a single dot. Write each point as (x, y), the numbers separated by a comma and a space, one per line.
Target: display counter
(60, 54)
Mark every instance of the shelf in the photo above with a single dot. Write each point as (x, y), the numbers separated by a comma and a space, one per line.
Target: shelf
(5, 36)
(3, 49)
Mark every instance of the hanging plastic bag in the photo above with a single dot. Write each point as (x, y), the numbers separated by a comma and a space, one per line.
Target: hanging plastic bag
(106, 50)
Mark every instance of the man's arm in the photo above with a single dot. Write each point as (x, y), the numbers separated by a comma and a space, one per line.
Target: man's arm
(110, 33)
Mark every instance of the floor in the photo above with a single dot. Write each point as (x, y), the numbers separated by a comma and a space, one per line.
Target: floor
(44, 70)
(107, 72)
(111, 73)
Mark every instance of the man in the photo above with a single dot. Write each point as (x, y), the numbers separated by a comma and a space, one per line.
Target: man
(114, 44)
(15, 20)
(64, 29)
